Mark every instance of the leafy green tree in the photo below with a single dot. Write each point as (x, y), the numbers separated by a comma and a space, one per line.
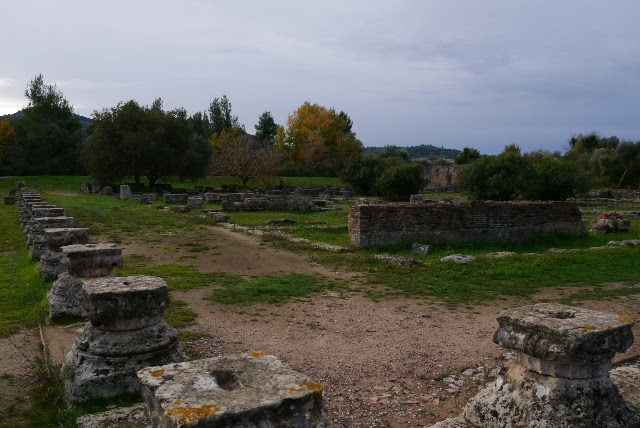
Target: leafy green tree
(200, 124)
(362, 172)
(400, 180)
(467, 155)
(628, 157)
(48, 135)
(554, 179)
(134, 140)
(348, 123)
(266, 128)
(503, 177)
(220, 117)
(391, 151)
(392, 178)
(7, 138)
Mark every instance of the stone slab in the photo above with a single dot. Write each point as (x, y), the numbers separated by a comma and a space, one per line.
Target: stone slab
(246, 390)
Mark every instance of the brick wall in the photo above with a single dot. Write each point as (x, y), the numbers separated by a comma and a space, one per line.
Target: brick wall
(430, 222)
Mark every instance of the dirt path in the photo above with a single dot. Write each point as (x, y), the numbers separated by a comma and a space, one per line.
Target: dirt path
(382, 363)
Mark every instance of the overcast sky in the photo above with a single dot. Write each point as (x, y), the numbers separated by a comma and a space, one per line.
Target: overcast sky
(450, 73)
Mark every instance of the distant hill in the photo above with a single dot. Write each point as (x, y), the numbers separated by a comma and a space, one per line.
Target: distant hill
(85, 121)
(421, 151)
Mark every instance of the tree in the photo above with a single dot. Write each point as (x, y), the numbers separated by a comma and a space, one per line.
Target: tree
(134, 140)
(200, 124)
(400, 180)
(48, 135)
(467, 155)
(7, 138)
(554, 179)
(220, 117)
(503, 178)
(628, 156)
(316, 140)
(243, 157)
(391, 177)
(266, 128)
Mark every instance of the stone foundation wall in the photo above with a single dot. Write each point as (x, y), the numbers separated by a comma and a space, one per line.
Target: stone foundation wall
(431, 222)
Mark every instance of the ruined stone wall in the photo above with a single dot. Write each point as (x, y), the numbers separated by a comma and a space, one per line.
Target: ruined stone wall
(430, 222)
(441, 175)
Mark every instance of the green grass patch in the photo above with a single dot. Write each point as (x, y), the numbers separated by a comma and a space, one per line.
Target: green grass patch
(178, 277)
(22, 290)
(179, 314)
(273, 289)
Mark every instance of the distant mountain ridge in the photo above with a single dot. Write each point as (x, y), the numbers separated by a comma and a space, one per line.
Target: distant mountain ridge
(17, 115)
(421, 151)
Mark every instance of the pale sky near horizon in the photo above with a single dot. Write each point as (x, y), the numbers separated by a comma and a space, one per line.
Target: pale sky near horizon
(450, 73)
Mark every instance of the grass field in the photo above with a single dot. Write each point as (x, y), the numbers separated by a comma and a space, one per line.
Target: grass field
(585, 274)
(521, 275)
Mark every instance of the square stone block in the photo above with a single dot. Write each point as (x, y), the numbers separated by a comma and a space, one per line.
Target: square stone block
(246, 390)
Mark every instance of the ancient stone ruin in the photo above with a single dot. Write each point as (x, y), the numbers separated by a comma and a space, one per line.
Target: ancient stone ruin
(432, 222)
(246, 390)
(610, 222)
(50, 265)
(66, 297)
(560, 377)
(126, 333)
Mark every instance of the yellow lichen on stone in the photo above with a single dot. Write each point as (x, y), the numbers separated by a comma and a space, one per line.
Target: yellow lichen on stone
(623, 319)
(310, 386)
(177, 402)
(258, 354)
(190, 414)
(156, 373)
(292, 389)
(590, 328)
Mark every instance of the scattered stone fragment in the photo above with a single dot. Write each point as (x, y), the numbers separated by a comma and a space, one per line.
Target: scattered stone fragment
(195, 202)
(610, 222)
(458, 258)
(180, 208)
(500, 254)
(125, 192)
(396, 260)
(281, 220)
(420, 248)
(130, 417)
(247, 390)
(218, 217)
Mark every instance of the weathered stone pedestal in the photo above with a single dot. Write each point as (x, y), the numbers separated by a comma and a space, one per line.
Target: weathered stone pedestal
(50, 265)
(560, 378)
(248, 390)
(66, 296)
(126, 333)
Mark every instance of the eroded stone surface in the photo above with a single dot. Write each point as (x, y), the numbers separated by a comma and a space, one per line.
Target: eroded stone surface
(127, 332)
(91, 260)
(247, 390)
(564, 335)
(55, 238)
(66, 297)
(129, 417)
(560, 377)
(114, 300)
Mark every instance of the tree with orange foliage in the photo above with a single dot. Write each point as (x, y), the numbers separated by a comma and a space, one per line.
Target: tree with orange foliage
(319, 140)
